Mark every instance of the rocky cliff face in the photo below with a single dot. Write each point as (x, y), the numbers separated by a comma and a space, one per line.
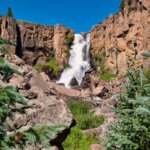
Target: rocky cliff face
(113, 38)
(37, 42)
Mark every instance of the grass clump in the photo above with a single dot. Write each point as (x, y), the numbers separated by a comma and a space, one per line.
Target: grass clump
(83, 115)
(107, 76)
(78, 141)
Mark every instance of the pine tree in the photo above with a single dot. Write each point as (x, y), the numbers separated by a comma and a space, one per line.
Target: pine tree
(9, 12)
(122, 5)
(131, 131)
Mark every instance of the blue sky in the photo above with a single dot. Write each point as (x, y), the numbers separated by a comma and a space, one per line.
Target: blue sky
(79, 15)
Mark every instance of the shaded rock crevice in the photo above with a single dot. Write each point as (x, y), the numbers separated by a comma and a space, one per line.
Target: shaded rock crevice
(19, 52)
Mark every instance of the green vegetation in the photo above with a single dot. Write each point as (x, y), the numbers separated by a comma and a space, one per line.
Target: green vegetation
(131, 131)
(99, 60)
(40, 135)
(83, 115)
(78, 141)
(4, 41)
(69, 40)
(52, 64)
(122, 5)
(101, 69)
(6, 70)
(147, 75)
(145, 54)
(37, 68)
(107, 76)
(9, 12)
(35, 23)
(82, 112)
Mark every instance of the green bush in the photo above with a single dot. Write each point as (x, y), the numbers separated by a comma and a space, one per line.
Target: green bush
(83, 115)
(6, 69)
(40, 135)
(78, 141)
(53, 64)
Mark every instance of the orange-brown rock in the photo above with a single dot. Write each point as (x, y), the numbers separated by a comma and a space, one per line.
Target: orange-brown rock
(117, 35)
(60, 43)
(96, 147)
(35, 40)
(8, 31)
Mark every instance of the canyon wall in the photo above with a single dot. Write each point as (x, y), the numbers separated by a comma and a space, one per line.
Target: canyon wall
(111, 39)
(117, 35)
(37, 43)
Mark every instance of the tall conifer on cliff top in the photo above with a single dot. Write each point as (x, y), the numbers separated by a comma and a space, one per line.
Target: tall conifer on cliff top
(9, 12)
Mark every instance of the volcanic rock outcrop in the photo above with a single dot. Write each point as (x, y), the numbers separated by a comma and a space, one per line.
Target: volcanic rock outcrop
(119, 34)
(36, 42)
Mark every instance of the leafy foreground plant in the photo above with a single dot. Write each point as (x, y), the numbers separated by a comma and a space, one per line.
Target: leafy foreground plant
(131, 131)
(40, 135)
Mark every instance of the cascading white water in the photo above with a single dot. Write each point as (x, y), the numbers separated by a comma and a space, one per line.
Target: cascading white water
(79, 61)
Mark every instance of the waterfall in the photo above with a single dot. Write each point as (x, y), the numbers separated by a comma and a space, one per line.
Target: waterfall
(79, 61)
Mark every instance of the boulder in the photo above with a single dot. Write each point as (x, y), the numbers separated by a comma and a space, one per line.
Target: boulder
(54, 148)
(100, 91)
(66, 91)
(96, 147)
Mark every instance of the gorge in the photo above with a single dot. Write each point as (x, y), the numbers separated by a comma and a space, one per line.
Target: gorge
(70, 81)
